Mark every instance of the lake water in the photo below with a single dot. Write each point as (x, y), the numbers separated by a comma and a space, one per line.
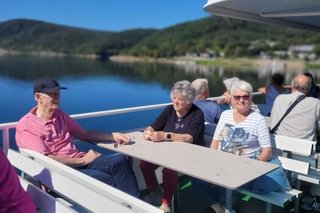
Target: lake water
(101, 85)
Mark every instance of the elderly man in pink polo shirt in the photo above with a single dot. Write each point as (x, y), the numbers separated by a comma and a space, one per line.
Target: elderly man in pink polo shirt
(48, 130)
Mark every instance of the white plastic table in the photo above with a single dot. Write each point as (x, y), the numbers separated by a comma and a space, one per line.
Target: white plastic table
(224, 169)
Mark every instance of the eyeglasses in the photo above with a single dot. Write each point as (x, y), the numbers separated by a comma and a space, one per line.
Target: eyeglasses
(244, 97)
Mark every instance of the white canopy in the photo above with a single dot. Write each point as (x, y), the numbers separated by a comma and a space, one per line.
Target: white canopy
(303, 14)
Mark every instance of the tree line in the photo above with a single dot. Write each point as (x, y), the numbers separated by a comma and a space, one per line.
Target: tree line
(213, 35)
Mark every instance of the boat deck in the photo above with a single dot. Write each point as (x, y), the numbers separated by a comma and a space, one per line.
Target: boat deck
(191, 203)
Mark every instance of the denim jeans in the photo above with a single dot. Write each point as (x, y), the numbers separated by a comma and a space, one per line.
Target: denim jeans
(115, 171)
(273, 181)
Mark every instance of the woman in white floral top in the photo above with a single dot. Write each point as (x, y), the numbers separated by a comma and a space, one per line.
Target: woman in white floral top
(241, 130)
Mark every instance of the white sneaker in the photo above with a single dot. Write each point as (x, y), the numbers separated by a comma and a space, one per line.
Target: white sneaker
(165, 208)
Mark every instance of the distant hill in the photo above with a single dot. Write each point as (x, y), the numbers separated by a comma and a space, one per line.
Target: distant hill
(212, 34)
(31, 35)
(233, 37)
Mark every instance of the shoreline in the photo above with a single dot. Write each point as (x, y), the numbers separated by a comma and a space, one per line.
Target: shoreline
(255, 63)
(245, 63)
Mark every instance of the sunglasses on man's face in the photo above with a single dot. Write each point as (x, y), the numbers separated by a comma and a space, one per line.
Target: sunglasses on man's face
(238, 97)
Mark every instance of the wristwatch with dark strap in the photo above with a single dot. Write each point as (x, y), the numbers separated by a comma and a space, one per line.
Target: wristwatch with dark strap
(168, 136)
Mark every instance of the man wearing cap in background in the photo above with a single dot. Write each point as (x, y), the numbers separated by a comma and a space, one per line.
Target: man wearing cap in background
(48, 130)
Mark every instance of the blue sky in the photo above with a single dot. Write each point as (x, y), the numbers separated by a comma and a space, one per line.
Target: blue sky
(109, 15)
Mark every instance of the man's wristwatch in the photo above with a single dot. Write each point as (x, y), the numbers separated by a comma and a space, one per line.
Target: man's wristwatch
(168, 136)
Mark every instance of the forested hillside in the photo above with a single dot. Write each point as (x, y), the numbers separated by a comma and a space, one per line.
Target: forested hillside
(212, 34)
(30, 35)
(233, 37)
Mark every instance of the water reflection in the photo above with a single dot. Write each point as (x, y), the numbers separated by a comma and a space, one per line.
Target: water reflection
(100, 85)
(27, 68)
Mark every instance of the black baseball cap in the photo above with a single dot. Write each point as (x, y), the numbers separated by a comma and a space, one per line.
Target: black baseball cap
(46, 84)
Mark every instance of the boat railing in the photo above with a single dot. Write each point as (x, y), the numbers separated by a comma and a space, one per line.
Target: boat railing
(5, 127)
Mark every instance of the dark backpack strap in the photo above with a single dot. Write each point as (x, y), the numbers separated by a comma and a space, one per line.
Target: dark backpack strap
(300, 98)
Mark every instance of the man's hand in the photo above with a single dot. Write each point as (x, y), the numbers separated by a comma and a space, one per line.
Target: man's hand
(121, 138)
(263, 90)
(90, 156)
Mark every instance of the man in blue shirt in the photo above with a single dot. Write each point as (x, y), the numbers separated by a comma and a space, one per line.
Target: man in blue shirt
(210, 109)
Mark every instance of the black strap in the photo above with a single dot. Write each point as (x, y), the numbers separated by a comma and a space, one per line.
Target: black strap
(300, 98)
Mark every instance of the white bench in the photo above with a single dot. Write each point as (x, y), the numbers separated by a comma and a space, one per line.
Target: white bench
(43, 201)
(299, 154)
(295, 157)
(82, 192)
(279, 198)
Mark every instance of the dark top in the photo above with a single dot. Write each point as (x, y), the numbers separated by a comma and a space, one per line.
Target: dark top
(192, 123)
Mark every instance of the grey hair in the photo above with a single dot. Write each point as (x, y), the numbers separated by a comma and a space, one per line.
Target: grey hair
(301, 85)
(242, 85)
(185, 89)
(200, 85)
